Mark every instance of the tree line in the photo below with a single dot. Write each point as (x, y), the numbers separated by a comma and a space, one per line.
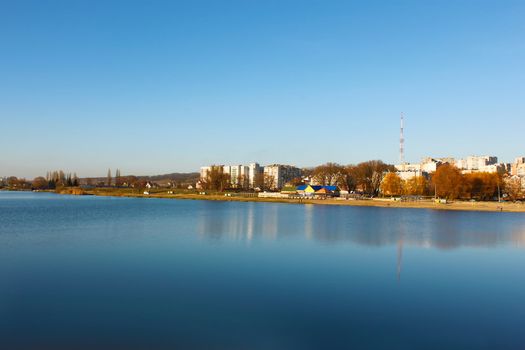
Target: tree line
(52, 180)
(448, 182)
(365, 177)
(374, 178)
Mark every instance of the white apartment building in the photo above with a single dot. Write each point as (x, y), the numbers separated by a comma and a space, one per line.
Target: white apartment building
(278, 175)
(204, 171)
(254, 169)
(430, 165)
(518, 166)
(408, 170)
(239, 175)
(480, 164)
(476, 162)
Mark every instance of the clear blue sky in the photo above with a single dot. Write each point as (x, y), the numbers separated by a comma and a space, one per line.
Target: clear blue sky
(163, 86)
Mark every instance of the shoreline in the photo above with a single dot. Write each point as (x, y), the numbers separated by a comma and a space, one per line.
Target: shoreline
(381, 203)
(508, 207)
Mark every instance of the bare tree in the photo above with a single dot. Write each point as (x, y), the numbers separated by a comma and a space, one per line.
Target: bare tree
(108, 181)
(329, 174)
(216, 179)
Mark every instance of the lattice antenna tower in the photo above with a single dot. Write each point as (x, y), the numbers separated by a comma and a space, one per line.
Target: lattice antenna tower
(402, 142)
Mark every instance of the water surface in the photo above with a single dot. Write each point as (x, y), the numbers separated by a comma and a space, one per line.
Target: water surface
(101, 272)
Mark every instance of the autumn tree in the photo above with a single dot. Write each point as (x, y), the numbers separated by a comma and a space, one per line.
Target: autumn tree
(392, 184)
(242, 181)
(308, 172)
(130, 181)
(350, 178)
(482, 186)
(368, 175)
(329, 174)
(12, 182)
(269, 182)
(258, 180)
(216, 179)
(416, 186)
(39, 183)
(296, 181)
(448, 182)
(513, 188)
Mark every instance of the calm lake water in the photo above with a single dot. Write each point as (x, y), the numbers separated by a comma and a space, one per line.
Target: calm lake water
(123, 273)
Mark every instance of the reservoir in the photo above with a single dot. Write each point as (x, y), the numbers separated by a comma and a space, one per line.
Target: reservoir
(85, 272)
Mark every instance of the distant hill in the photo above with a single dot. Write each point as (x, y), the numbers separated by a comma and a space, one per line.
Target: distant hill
(174, 177)
(179, 178)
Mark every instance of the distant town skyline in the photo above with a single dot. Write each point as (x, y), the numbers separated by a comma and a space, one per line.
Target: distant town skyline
(171, 86)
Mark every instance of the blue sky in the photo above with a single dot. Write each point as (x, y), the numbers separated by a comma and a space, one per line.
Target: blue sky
(164, 86)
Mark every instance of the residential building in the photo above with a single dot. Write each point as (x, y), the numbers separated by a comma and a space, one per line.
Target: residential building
(409, 170)
(520, 170)
(430, 165)
(481, 164)
(277, 175)
(518, 163)
(254, 170)
(477, 162)
(239, 175)
(204, 171)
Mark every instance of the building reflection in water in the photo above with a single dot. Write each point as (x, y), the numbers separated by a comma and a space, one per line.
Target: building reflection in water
(399, 258)
(360, 225)
(518, 237)
(308, 220)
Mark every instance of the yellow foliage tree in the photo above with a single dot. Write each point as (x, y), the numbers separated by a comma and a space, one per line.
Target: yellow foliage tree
(416, 186)
(482, 186)
(448, 182)
(392, 185)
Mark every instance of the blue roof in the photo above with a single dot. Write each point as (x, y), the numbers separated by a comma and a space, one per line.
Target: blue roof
(317, 188)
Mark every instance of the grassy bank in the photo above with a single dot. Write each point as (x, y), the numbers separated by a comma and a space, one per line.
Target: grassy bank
(458, 205)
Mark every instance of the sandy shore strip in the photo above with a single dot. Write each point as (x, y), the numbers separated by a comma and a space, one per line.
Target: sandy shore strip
(382, 202)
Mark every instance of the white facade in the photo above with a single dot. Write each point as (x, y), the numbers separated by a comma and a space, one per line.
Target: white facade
(493, 168)
(430, 165)
(239, 175)
(204, 172)
(517, 166)
(408, 167)
(278, 175)
(408, 171)
(461, 164)
(407, 174)
(520, 170)
(254, 169)
(478, 162)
